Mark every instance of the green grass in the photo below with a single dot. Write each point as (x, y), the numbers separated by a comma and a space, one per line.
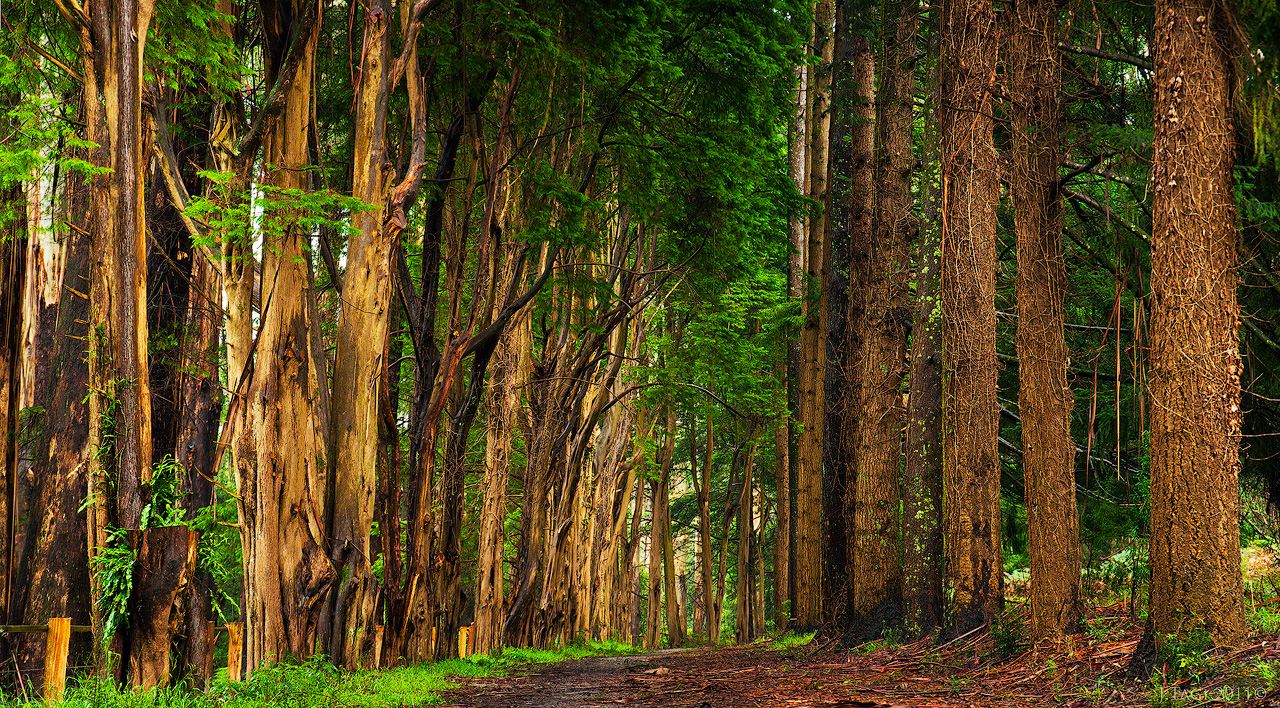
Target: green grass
(791, 640)
(316, 684)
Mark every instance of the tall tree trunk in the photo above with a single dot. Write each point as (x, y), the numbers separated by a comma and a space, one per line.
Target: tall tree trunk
(1044, 396)
(798, 172)
(653, 618)
(710, 632)
(196, 450)
(50, 575)
(877, 590)
(971, 467)
(813, 344)
(922, 560)
(1196, 582)
(662, 505)
(850, 208)
(743, 625)
(13, 274)
(502, 406)
(782, 530)
(282, 462)
(363, 329)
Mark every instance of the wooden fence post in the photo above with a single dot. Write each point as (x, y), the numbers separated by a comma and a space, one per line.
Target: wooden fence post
(378, 631)
(55, 658)
(235, 643)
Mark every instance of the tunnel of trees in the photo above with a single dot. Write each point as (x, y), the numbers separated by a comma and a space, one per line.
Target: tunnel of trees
(671, 321)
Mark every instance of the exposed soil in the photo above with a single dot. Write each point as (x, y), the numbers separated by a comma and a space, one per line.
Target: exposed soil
(1085, 670)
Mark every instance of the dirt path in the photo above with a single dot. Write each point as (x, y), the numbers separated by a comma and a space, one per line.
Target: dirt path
(1082, 672)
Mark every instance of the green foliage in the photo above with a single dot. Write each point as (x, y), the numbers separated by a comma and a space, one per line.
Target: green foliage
(317, 684)
(113, 564)
(1187, 654)
(1009, 632)
(163, 506)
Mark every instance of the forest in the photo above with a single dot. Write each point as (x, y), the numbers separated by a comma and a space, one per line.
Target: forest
(358, 325)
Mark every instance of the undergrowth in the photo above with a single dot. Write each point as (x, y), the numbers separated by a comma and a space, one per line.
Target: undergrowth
(317, 684)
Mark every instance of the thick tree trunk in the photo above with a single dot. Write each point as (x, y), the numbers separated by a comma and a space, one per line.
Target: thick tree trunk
(877, 589)
(50, 574)
(281, 465)
(851, 206)
(13, 274)
(363, 329)
(812, 343)
(166, 557)
(502, 407)
(1044, 396)
(971, 471)
(922, 560)
(196, 442)
(1195, 358)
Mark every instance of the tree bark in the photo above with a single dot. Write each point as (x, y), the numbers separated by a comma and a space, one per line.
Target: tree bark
(971, 467)
(363, 329)
(1196, 585)
(877, 589)
(1044, 396)
(813, 344)
(850, 207)
(281, 465)
(922, 559)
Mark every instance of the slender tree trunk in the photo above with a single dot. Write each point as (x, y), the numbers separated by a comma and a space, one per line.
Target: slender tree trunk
(877, 590)
(653, 618)
(744, 616)
(971, 471)
(813, 344)
(798, 172)
(1196, 582)
(710, 632)
(922, 559)
(1044, 396)
(782, 530)
(662, 502)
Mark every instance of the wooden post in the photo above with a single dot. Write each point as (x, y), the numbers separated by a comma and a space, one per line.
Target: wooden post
(210, 641)
(471, 639)
(55, 658)
(377, 645)
(462, 641)
(234, 646)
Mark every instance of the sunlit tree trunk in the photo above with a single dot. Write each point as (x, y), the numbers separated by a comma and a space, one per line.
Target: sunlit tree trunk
(282, 478)
(971, 471)
(813, 344)
(50, 574)
(1044, 396)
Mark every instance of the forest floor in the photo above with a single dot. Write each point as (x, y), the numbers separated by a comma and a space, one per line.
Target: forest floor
(1085, 670)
